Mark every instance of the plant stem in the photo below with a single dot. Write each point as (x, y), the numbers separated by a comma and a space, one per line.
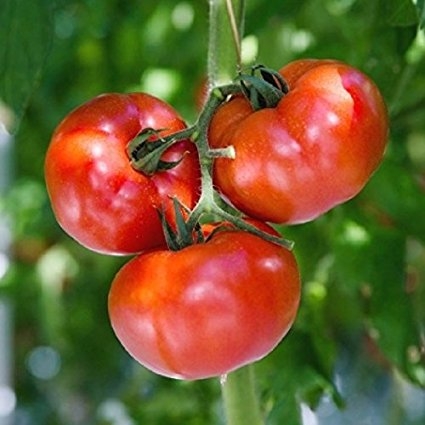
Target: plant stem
(240, 400)
(207, 201)
(226, 23)
(224, 61)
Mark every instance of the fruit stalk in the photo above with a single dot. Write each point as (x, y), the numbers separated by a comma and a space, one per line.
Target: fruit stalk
(240, 399)
(226, 19)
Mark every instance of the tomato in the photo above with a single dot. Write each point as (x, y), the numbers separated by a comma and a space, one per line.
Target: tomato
(97, 196)
(207, 309)
(315, 150)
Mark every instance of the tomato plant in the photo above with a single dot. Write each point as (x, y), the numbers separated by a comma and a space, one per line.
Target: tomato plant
(314, 150)
(97, 196)
(207, 309)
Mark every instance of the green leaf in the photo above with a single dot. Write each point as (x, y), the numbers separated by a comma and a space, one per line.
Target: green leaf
(25, 39)
(394, 196)
(401, 12)
(371, 261)
(292, 374)
(392, 317)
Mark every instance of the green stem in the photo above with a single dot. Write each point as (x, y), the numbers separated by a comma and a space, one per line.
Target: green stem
(207, 203)
(224, 52)
(240, 400)
(224, 61)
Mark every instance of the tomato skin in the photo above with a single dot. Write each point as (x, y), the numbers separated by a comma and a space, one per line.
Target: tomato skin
(315, 150)
(96, 195)
(184, 315)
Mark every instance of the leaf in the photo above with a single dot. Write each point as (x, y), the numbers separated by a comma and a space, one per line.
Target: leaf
(394, 196)
(392, 316)
(293, 374)
(401, 12)
(25, 40)
(372, 262)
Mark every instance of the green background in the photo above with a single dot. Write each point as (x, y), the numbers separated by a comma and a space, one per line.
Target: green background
(356, 354)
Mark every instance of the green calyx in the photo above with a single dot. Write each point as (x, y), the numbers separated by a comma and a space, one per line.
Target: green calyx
(263, 87)
(184, 234)
(146, 149)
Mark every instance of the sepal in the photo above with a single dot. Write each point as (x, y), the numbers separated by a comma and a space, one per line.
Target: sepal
(145, 154)
(263, 87)
(183, 234)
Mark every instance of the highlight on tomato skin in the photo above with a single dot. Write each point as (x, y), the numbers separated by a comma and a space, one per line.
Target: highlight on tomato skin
(98, 198)
(315, 150)
(207, 309)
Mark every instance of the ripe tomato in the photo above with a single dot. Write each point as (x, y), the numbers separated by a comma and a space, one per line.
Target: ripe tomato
(316, 149)
(96, 195)
(207, 309)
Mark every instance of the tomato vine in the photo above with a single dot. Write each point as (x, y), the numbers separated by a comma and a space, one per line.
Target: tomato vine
(239, 410)
(263, 149)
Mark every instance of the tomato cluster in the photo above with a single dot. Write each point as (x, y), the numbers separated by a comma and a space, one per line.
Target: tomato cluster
(231, 291)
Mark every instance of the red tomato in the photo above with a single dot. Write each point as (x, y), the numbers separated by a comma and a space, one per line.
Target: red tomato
(96, 195)
(207, 309)
(316, 149)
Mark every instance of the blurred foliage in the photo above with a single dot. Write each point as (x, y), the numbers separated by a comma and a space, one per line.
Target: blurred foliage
(359, 341)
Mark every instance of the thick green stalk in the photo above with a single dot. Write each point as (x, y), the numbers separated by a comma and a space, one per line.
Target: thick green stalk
(240, 400)
(225, 27)
(224, 60)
